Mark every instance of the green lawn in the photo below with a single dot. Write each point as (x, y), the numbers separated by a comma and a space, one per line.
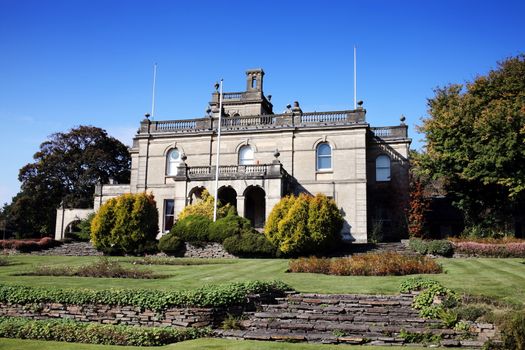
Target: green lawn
(499, 278)
(206, 344)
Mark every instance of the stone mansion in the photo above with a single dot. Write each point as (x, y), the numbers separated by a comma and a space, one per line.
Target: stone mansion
(265, 156)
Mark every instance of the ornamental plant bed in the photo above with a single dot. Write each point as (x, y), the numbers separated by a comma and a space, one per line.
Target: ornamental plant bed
(29, 245)
(93, 333)
(369, 264)
(509, 250)
(214, 296)
(103, 268)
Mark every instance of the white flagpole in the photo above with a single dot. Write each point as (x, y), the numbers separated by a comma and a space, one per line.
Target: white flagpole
(153, 93)
(355, 77)
(217, 163)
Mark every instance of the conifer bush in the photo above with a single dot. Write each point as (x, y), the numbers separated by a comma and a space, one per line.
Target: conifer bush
(304, 225)
(193, 229)
(249, 244)
(171, 244)
(228, 226)
(127, 224)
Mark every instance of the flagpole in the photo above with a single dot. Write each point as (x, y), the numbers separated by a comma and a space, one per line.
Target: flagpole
(355, 77)
(153, 93)
(218, 156)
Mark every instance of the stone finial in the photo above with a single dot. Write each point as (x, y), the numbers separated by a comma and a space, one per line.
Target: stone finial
(276, 154)
(269, 97)
(216, 86)
(402, 119)
(183, 157)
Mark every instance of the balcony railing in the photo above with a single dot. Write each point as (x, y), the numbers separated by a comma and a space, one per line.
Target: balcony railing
(232, 171)
(256, 122)
(389, 132)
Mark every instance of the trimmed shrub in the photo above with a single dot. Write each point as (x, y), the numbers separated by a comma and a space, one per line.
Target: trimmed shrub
(228, 226)
(171, 244)
(434, 247)
(369, 264)
(204, 207)
(156, 300)
(94, 333)
(127, 224)
(249, 243)
(304, 225)
(193, 229)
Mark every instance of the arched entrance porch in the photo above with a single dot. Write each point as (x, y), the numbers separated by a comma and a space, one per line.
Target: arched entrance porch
(255, 206)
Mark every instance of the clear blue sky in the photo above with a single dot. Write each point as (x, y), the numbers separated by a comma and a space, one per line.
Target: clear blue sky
(76, 62)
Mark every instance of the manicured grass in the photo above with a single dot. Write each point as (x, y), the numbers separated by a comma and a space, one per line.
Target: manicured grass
(206, 344)
(499, 278)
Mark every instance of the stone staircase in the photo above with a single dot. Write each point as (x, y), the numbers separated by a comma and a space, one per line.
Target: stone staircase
(348, 319)
(71, 249)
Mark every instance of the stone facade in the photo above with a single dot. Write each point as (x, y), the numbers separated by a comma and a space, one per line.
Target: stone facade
(265, 156)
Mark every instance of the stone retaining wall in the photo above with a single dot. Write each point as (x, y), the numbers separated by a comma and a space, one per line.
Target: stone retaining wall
(210, 250)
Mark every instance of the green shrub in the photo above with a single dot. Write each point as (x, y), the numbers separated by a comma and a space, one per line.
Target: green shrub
(94, 333)
(434, 247)
(418, 245)
(157, 300)
(304, 225)
(513, 331)
(228, 226)
(440, 247)
(127, 224)
(472, 312)
(193, 229)
(249, 244)
(171, 244)
(84, 235)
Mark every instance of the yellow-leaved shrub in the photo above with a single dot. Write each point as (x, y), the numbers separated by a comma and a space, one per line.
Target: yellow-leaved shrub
(304, 225)
(127, 224)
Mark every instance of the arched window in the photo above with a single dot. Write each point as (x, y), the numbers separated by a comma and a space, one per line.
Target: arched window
(246, 156)
(324, 156)
(173, 160)
(383, 168)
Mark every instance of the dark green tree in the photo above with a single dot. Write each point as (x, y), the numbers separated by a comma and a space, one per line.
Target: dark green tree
(66, 169)
(475, 143)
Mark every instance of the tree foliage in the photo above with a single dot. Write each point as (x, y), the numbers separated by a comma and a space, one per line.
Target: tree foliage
(66, 168)
(475, 136)
(127, 224)
(304, 225)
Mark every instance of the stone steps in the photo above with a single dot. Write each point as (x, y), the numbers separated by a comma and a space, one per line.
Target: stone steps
(346, 319)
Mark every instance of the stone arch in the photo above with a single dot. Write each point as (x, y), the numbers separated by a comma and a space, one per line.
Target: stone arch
(246, 142)
(255, 205)
(195, 194)
(324, 139)
(71, 228)
(171, 146)
(227, 195)
(65, 217)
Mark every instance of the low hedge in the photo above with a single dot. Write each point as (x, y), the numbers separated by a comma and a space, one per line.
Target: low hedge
(193, 229)
(95, 333)
(157, 300)
(434, 247)
(509, 250)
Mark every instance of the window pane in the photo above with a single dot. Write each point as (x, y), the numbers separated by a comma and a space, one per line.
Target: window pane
(324, 162)
(169, 211)
(246, 155)
(324, 150)
(382, 168)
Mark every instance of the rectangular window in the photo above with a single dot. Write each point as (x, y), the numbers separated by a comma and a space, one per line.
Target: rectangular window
(169, 214)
